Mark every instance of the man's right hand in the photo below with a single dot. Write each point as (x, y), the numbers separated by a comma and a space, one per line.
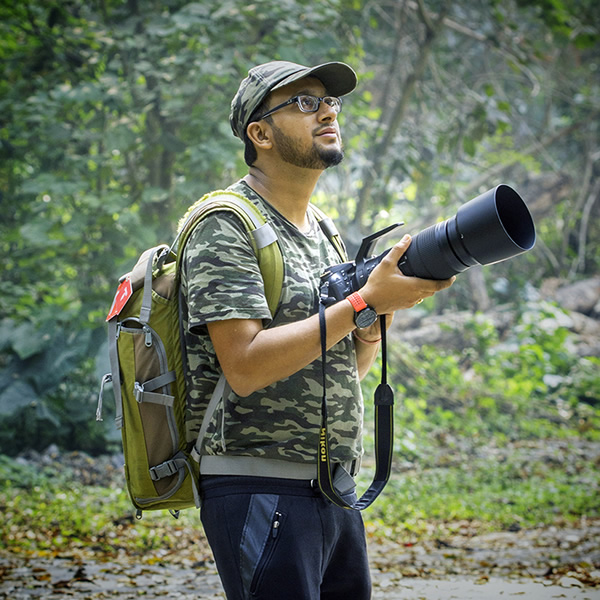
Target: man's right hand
(388, 289)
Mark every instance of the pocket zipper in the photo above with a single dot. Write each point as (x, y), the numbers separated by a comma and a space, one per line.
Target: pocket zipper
(276, 524)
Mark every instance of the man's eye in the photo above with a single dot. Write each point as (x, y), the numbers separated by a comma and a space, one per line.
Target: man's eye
(333, 102)
(307, 102)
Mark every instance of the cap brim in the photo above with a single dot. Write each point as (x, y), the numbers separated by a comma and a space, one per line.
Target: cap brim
(338, 78)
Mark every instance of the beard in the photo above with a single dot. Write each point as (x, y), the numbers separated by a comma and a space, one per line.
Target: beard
(314, 157)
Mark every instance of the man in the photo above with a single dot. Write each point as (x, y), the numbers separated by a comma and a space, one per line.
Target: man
(273, 535)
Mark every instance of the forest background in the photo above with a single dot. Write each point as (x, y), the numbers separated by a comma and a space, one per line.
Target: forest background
(114, 119)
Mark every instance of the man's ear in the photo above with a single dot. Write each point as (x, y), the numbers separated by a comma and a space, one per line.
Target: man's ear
(259, 134)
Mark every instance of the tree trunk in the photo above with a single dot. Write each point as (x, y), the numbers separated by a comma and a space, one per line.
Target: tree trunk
(479, 296)
(374, 169)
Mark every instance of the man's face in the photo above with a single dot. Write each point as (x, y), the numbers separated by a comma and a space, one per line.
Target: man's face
(307, 140)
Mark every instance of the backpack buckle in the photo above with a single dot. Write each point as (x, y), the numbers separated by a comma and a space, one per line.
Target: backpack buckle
(138, 391)
(166, 469)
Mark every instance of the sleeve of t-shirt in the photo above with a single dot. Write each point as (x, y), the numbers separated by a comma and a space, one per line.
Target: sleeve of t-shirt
(223, 279)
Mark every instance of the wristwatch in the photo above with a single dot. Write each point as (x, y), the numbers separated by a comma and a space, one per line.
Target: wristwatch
(364, 315)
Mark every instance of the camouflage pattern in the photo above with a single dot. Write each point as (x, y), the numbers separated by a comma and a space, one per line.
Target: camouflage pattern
(221, 280)
(338, 78)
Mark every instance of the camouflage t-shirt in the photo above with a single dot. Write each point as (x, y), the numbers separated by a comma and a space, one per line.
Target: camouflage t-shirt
(221, 280)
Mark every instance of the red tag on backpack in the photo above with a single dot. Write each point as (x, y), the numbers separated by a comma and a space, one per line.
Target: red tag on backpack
(123, 294)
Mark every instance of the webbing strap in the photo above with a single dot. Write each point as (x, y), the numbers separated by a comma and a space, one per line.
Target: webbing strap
(107, 378)
(256, 466)
(218, 394)
(144, 392)
(113, 356)
(330, 230)
(160, 381)
(259, 466)
(264, 235)
(167, 468)
(384, 431)
(173, 466)
(141, 396)
(147, 297)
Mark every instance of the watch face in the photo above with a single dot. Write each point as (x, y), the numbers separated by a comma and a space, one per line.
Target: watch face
(365, 318)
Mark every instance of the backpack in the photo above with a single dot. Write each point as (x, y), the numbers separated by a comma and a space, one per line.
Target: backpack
(146, 351)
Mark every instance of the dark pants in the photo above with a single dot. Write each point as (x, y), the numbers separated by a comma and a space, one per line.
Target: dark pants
(279, 539)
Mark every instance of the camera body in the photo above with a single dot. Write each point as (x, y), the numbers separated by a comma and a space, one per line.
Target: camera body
(492, 227)
(339, 281)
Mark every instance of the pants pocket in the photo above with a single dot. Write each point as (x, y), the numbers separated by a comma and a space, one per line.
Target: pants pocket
(266, 560)
(259, 538)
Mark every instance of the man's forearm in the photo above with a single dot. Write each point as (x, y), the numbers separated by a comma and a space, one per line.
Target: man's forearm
(365, 356)
(253, 358)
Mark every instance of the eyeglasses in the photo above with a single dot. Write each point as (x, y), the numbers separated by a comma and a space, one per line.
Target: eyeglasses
(307, 104)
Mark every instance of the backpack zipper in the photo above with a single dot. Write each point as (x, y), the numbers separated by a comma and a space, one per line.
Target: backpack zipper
(148, 338)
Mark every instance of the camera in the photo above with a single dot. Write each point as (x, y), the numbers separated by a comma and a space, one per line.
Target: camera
(492, 227)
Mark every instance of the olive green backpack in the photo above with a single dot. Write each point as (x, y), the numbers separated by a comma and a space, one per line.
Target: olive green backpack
(146, 351)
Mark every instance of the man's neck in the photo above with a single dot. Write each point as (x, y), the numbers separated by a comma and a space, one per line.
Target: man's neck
(288, 190)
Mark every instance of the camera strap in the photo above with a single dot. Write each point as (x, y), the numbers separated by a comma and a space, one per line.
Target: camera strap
(384, 430)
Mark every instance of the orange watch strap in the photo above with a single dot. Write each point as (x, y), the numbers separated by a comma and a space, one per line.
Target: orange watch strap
(357, 302)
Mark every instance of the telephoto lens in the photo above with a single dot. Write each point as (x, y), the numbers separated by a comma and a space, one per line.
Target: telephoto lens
(488, 229)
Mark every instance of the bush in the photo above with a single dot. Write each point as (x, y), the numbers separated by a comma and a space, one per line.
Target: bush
(530, 385)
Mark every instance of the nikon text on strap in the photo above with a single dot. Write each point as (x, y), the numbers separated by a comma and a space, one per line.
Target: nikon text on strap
(384, 430)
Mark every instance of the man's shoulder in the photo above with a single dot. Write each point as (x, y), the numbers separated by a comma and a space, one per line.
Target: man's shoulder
(243, 189)
(222, 220)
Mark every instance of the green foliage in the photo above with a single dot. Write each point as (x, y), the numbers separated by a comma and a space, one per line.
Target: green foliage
(500, 492)
(113, 119)
(575, 20)
(530, 385)
(113, 122)
(47, 394)
(492, 434)
(48, 512)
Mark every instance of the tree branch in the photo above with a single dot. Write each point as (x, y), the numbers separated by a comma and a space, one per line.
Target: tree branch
(432, 30)
(579, 263)
(499, 169)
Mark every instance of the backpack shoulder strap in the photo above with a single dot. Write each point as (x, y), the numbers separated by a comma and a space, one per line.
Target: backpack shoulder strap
(262, 236)
(330, 230)
(270, 261)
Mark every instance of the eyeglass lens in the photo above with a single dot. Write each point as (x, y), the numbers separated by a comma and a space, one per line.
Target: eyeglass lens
(311, 103)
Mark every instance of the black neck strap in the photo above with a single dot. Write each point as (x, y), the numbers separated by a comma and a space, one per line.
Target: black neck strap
(384, 430)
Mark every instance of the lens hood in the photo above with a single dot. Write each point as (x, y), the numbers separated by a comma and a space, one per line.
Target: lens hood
(488, 229)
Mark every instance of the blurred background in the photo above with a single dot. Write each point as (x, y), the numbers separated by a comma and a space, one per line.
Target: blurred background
(114, 119)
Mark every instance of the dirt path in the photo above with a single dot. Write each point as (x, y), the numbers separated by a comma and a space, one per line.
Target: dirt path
(560, 562)
(57, 579)
(535, 565)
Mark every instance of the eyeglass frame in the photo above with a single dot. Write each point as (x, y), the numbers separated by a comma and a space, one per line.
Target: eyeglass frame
(296, 99)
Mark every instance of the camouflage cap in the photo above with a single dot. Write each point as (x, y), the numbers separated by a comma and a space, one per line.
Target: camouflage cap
(337, 77)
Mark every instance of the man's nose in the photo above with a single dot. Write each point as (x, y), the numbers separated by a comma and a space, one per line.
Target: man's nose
(326, 111)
